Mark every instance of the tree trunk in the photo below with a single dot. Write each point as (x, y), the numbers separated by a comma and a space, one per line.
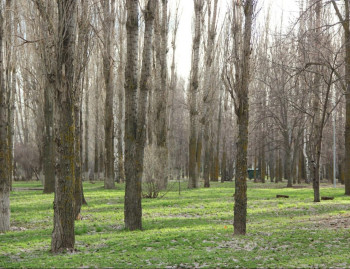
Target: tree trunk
(86, 125)
(49, 161)
(199, 148)
(207, 95)
(240, 207)
(263, 163)
(223, 161)
(207, 157)
(132, 203)
(121, 174)
(193, 179)
(287, 162)
(344, 20)
(10, 83)
(63, 237)
(242, 112)
(161, 151)
(96, 146)
(145, 87)
(78, 190)
(218, 136)
(255, 170)
(4, 163)
(278, 175)
(108, 26)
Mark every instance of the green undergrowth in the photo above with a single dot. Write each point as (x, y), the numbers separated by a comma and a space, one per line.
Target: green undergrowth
(188, 230)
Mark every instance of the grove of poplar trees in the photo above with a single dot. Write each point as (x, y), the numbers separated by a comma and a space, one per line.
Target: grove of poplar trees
(91, 90)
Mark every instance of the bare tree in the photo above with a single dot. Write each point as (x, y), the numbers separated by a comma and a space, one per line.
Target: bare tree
(108, 24)
(194, 82)
(237, 81)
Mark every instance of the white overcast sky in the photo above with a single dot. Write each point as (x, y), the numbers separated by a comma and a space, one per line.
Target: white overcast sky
(289, 9)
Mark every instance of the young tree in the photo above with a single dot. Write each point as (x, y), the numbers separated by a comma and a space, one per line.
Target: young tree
(237, 81)
(242, 112)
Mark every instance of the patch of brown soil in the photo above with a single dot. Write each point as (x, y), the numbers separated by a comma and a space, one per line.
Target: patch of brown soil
(332, 222)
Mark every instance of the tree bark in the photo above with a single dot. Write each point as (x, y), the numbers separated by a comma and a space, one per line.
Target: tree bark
(108, 26)
(193, 179)
(4, 162)
(346, 26)
(121, 174)
(161, 151)
(132, 203)
(86, 125)
(242, 112)
(63, 237)
(49, 162)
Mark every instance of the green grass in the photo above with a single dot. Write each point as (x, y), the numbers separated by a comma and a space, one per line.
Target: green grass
(193, 229)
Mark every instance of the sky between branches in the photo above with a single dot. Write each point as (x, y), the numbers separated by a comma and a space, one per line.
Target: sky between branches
(288, 8)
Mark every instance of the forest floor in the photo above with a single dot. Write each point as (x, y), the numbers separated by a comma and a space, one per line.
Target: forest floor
(190, 230)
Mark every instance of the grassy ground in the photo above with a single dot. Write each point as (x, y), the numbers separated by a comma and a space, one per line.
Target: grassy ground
(193, 229)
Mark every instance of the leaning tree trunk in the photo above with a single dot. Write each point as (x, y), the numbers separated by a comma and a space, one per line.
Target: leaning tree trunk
(132, 202)
(242, 112)
(4, 164)
(63, 237)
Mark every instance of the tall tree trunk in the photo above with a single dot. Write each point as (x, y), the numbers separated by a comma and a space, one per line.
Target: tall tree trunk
(193, 179)
(161, 152)
(48, 64)
(145, 87)
(242, 112)
(63, 237)
(207, 95)
(132, 204)
(344, 20)
(4, 163)
(121, 174)
(108, 26)
(10, 86)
